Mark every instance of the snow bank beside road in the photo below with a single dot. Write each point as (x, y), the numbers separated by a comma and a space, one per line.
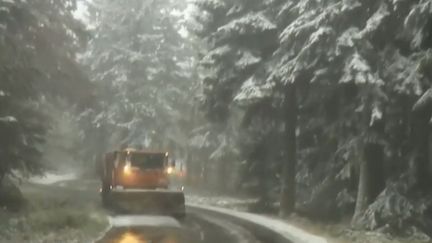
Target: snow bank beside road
(240, 204)
(286, 230)
(50, 178)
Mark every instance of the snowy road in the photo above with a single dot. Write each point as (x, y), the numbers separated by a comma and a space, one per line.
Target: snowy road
(198, 227)
(203, 224)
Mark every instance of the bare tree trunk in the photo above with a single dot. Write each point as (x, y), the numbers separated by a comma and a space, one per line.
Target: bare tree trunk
(189, 168)
(194, 169)
(375, 156)
(429, 150)
(363, 199)
(421, 160)
(421, 168)
(205, 183)
(288, 183)
(371, 179)
(2, 175)
(223, 176)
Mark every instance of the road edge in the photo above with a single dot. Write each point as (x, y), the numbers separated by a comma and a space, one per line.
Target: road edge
(103, 233)
(279, 227)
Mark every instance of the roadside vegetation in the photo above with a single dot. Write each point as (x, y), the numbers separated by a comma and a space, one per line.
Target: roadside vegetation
(39, 76)
(39, 43)
(53, 214)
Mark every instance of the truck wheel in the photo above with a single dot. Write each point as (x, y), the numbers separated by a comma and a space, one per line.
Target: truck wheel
(180, 216)
(105, 194)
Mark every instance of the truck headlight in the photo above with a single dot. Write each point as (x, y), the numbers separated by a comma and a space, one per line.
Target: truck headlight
(170, 170)
(127, 169)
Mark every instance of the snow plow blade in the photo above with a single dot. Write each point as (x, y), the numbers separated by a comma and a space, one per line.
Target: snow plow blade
(155, 202)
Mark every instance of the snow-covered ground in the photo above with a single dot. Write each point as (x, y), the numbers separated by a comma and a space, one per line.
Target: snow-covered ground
(51, 178)
(221, 201)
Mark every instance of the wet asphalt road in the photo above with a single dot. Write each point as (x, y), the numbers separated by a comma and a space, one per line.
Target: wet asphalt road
(197, 227)
(148, 234)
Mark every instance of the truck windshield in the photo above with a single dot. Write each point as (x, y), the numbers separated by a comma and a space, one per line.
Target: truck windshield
(147, 161)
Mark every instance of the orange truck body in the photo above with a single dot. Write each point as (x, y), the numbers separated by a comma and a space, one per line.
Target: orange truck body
(133, 176)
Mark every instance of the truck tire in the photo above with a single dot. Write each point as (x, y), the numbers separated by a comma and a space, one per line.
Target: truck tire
(106, 188)
(180, 215)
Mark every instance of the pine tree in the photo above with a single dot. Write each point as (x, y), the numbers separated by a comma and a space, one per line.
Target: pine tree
(38, 46)
(342, 81)
(143, 69)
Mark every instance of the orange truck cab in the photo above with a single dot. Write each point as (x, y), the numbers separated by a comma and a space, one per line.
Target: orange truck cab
(137, 169)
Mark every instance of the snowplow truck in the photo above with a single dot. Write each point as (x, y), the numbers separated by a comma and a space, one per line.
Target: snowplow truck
(138, 182)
